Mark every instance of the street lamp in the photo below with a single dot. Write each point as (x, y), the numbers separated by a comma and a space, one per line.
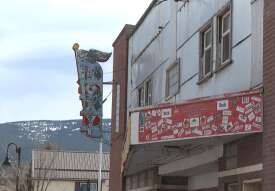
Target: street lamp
(7, 164)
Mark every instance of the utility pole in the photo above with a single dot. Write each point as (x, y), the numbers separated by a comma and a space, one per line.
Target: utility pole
(100, 162)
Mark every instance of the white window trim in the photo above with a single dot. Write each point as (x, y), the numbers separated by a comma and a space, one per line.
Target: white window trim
(223, 34)
(206, 48)
(148, 92)
(142, 102)
(88, 183)
(168, 94)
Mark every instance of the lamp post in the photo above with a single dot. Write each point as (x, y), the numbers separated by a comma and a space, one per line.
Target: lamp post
(7, 163)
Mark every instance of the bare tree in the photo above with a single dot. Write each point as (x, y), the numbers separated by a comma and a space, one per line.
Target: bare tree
(31, 178)
(42, 167)
(8, 178)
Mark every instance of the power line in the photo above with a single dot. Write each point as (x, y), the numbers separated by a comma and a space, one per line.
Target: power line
(114, 71)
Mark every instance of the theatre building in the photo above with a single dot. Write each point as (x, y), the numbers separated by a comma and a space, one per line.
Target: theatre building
(193, 98)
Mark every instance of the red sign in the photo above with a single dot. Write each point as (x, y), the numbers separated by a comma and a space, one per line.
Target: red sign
(227, 114)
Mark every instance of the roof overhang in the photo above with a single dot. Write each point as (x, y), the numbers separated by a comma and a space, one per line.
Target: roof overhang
(164, 133)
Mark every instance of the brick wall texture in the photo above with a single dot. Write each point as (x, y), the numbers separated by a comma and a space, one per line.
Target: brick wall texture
(120, 61)
(269, 96)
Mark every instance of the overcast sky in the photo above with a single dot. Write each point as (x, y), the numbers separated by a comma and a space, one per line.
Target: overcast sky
(37, 67)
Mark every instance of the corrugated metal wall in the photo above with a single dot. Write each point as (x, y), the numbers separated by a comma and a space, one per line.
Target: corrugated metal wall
(153, 50)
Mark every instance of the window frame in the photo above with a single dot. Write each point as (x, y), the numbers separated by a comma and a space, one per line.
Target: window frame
(148, 92)
(207, 27)
(216, 59)
(141, 96)
(175, 65)
(88, 185)
(145, 93)
(227, 10)
(94, 183)
(206, 48)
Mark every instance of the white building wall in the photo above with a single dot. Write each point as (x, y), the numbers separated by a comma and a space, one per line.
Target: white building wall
(180, 39)
(151, 49)
(56, 186)
(64, 185)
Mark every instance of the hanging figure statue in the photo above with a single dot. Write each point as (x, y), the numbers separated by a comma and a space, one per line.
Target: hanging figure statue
(90, 80)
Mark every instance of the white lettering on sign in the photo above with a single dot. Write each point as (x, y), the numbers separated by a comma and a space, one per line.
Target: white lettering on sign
(245, 100)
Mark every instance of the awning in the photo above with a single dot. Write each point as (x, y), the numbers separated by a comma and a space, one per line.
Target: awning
(165, 133)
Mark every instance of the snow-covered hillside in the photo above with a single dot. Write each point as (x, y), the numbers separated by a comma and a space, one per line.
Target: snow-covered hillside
(64, 134)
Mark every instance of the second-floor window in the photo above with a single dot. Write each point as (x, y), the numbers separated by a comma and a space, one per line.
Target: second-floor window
(148, 92)
(224, 37)
(145, 93)
(206, 51)
(173, 80)
(215, 43)
(141, 96)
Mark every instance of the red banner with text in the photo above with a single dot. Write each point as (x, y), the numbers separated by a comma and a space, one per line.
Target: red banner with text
(228, 114)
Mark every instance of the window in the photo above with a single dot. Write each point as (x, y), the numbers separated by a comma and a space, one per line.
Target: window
(224, 37)
(141, 96)
(206, 52)
(230, 155)
(232, 187)
(252, 185)
(215, 42)
(173, 80)
(148, 92)
(145, 94)
(117, 107)
(88, 187)
(93, 187)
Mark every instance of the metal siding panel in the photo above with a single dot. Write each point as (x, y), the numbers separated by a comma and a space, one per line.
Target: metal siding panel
(189, 56)
(223, 82)
(241, 14)
(257, 42)
(190, 20)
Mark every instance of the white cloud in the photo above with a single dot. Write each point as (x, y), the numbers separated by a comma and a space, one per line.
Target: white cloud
(37, 67)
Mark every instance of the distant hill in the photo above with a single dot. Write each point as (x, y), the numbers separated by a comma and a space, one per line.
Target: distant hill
(64, 134)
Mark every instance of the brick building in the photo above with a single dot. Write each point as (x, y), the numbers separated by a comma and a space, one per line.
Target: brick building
(119, 114)
(199, 75)
(269, 99)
